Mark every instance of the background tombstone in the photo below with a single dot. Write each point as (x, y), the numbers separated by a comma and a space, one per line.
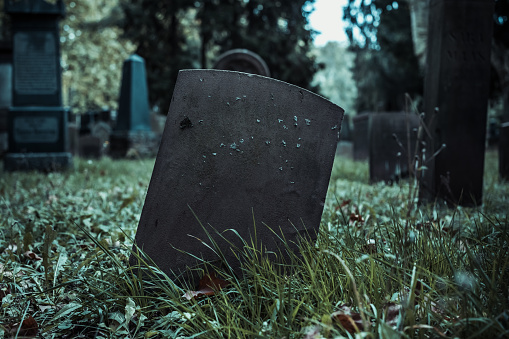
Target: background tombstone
(503, 152)
(361, 136)
(37, 121)
(392, 138)
(5, 91)
(132, 129)
(235, 147)
(457, 83)
(242, 60)
(345, 144)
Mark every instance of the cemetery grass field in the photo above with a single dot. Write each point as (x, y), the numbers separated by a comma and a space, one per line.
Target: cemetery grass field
(383, 267)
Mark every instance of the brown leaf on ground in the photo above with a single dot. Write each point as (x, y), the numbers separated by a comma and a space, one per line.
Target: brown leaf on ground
(350, 321)
(4, 291)
(208, 285)
(32, 256)
(29, 328)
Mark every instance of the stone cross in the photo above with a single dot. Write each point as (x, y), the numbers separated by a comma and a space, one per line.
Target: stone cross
(247, 155)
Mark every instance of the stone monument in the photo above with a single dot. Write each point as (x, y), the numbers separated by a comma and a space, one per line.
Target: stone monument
(237, 149)
(503, 151)
(37, 121)
(132, 129)
(242, 60)
(456, 87)
(5, 91)
(392, 138)
(361, 136)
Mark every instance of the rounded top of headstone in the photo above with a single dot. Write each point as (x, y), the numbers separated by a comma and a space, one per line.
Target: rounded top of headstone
(136, 58)
(242, 60)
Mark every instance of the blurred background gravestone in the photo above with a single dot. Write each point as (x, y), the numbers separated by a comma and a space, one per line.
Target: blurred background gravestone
(236, 147)
(132, 133)
(242, 60)
(361, 136)
(345, 144)
(37, 121)
(503, 151)
(392, 138)
(457, 84)
(5, 91)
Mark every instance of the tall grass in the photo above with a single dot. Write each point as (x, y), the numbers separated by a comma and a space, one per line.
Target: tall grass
(375, 270)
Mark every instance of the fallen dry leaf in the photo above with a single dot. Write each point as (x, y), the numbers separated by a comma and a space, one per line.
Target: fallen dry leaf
(31, 255)
(350, 321)
(29, 328)
(208, 285)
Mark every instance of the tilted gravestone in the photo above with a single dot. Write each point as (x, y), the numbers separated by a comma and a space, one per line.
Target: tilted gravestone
(242, 60)
(457, 83)
(503, 152)
(237, 149)
(132, 129)
(37, 121)
(392, 138)
(5, 91)
(361, 136)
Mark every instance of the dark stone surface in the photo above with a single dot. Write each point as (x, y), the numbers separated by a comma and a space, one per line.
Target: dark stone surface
(46, 162)
(346, 129)
(503, 151)
(36, 53)
(457, 82)
(242, 60)
(90, 146)
(5, 79)
(392, 138)
(133, 107)
(132, 133)
(237, 147)
(361, 136)
(38, 129)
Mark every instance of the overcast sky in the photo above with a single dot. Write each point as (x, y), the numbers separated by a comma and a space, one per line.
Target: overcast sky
(327, 18)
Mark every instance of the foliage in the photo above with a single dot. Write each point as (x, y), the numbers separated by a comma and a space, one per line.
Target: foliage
(92, 54)
(385, 68)
(65, 242)
(335, 79)
(181, 34)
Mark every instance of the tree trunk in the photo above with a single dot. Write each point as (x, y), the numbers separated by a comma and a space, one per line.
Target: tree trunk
(419, 17)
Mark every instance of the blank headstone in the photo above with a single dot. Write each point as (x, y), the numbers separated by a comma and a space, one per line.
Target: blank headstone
(132, 129)
(392, 138)
(361, 136)
(457, 83)
(235, 147)
(242, 60)
(503, 151)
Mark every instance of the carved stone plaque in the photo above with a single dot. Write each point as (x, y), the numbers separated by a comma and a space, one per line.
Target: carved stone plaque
(36, 129)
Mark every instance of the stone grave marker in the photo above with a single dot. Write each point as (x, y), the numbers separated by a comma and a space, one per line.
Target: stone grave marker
(457, 83)
(132, 128)
(5, 91)
(503, 151)
(37, 121)
(392, 138)
(237, 149)
(360, 136)
(242, 60)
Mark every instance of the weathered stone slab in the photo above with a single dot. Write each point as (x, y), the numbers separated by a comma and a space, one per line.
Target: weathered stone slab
(132, 129)
(361, 136)
(237, 147)
(457, 83)
(392, 138)
(242, 60)
(503, 152)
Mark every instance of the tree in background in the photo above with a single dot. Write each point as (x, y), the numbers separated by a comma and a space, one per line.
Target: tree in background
(92, 54)
(336, 79)
(173, 35)
(385, 67)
